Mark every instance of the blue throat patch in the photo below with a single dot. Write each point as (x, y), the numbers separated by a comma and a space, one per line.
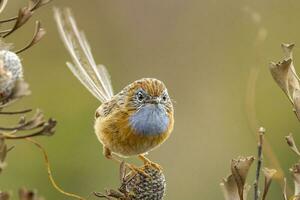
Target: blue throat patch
(150, 120)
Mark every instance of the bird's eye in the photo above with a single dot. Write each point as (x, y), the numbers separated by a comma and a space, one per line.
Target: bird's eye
(140, 96)
(165, 97)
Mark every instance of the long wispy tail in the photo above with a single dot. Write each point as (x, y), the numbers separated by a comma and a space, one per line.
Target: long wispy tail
(94, 77)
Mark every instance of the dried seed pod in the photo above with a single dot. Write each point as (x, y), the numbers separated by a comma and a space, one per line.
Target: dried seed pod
(140, 187)
(10, 71)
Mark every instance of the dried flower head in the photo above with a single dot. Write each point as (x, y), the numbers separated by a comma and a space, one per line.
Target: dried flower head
(269, 174)
(239, 169)
(143, 187)
(137, 186)
(10, 71)
(234, 186)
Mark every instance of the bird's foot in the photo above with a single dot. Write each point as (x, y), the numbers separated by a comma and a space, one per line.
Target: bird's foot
(138, 170)
(154, 165)
(148, 162)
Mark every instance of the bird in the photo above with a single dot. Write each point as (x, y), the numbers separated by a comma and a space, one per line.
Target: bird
(130, 123)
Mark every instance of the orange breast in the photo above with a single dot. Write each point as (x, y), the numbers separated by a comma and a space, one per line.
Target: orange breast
(114, 133)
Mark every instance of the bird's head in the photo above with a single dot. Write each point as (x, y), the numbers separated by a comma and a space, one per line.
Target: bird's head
(150, 107)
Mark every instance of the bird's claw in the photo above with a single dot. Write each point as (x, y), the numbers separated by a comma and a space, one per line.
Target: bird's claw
(154, 165)
(138, 170)
(148, 162)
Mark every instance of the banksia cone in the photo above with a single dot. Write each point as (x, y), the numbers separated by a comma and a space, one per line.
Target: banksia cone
(138, 186)
(10, 71)
(151, 187)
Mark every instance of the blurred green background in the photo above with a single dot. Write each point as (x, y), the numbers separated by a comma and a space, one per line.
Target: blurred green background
(205, 51)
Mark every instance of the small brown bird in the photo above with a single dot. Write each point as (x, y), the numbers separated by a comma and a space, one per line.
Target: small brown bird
(130, 123)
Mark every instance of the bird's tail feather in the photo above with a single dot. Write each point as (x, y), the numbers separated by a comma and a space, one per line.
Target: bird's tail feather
(94, 77)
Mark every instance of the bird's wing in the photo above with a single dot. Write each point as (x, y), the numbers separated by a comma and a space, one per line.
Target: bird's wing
(94, 77)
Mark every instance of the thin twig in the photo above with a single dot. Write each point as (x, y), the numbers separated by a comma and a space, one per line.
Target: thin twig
(250, 102)
(20, 127)
(23, 16)
(5, 31)
(8, 102)
(33, 8)
(38, 34)
(261, 133)
(46, 130)
(8, 19)
(15, 112)
(46, 158)
(13, 137)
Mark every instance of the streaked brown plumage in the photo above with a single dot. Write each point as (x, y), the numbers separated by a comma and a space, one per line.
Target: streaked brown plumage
(112, 121)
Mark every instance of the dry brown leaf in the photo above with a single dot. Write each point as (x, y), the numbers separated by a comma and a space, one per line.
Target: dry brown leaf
(291, 142)
(288, 50)
(269, 173)
(285, 76)
(295, 170)
(280, 73)
(36, 121)
(239, 170)
(38, 35)
(296, 102)
(23, 16)
(35, 4)
(229, 188)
